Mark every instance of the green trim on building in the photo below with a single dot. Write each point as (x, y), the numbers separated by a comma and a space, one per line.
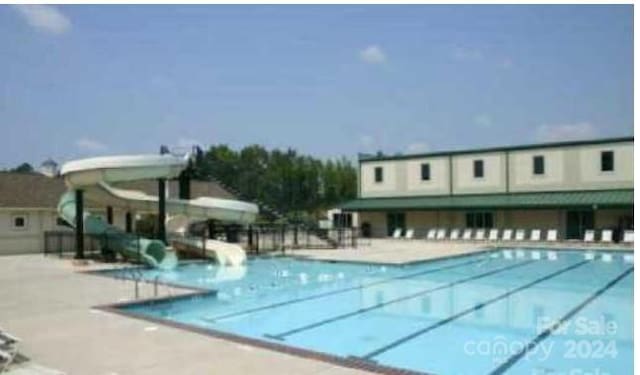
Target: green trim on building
(374, 158)
(539, 200)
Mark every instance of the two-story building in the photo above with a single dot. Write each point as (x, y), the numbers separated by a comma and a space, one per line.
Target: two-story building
(569, 186)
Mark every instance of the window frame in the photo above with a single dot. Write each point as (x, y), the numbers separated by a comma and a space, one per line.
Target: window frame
(378, 178)
(480, 219)
(478, 166)
(541, 158)
(25, 222)
(422, 170)
(603, 154)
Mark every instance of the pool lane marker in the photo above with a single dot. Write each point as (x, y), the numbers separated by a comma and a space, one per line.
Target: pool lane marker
(281, 336)
(546, 333)
(470, 310)
(334, 292)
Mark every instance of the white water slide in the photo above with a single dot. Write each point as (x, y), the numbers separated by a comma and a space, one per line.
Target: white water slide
(95, 175)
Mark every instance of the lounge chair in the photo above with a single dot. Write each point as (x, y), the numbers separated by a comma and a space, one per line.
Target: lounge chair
(409, 234)
(6, 358)
(455, 234)
(534, 235)
(589, 235)
(8, 350)
(7, 338)
(441, 234)
(431, 234)
(606, 236)
(520, 234)
(480, 235)
(493, 234)
(466, 235)
(552, 235)
(397, 233)
(628, 236)
(507, 234)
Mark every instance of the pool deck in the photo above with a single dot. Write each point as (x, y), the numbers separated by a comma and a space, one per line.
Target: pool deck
(50, 304)
(399, 251)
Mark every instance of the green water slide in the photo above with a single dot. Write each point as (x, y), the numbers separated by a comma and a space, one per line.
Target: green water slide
(152, 252)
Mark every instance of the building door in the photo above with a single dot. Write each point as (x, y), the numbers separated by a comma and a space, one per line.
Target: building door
(395, 220)
(577, 223)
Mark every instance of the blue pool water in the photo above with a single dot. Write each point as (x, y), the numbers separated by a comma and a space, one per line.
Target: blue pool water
(505, 311)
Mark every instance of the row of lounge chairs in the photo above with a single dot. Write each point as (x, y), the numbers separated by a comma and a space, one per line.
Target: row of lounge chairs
(8, 349)
(535, 235)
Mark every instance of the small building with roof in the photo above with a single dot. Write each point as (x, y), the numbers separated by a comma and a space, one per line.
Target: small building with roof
(28, 206)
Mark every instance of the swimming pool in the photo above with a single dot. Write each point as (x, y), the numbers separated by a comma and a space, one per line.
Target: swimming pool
(512, 311)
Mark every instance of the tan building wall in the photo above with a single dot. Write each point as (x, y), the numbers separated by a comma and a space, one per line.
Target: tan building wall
(421, 221)
(30, 238)
(610, 218)
(493, 180)
(572, 168)
(438, 184)
(377, 221)
(575, 167)
(27, 239)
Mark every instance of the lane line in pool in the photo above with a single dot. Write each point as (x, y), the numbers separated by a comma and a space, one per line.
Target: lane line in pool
(344, 290)
(546, 333)
(470, 310)
(281, 336)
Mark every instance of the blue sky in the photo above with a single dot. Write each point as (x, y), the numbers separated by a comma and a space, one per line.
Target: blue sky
(327, 80)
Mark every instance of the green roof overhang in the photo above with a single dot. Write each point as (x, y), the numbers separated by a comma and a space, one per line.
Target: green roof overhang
(539, 200)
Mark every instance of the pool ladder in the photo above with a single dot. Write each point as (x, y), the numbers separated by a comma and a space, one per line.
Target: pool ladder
(135, 274)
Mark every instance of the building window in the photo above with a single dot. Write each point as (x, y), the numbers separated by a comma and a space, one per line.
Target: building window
(606, 161)
(19, 222)
(479, 220)
(478, 168)
(538, 165)
(425, 171)
(378, 174)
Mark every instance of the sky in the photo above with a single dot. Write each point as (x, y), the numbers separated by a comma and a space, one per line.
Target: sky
(80, 81)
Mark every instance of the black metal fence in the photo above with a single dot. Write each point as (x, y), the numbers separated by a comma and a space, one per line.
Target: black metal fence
(255, 239)
(64, 242)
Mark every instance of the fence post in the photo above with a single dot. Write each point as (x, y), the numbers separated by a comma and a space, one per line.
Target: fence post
(204, 245)
(258, 241)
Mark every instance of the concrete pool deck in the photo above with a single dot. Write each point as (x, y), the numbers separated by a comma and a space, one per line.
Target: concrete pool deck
(399, 251)
(50, 305)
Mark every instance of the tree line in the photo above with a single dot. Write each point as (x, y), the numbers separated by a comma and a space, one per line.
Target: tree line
(298, 186)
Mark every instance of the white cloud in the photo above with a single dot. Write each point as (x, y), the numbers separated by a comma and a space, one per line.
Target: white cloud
(566, 132)
(417, 147)
(45, 18)
(483, 119)
(373, 55)
(87, 144)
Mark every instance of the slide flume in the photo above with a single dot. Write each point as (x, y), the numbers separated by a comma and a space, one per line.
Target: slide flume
(94, 176)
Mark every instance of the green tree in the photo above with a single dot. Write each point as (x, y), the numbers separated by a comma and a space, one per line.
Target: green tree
(300, 186)
(23, 168)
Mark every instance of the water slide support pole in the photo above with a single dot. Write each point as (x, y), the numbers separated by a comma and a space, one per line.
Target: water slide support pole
(110, 215)
(162, 210)
(79, 224)
(128, 222)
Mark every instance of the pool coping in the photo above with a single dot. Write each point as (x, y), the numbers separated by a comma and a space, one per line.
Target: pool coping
(352, 362)
(349, 362)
